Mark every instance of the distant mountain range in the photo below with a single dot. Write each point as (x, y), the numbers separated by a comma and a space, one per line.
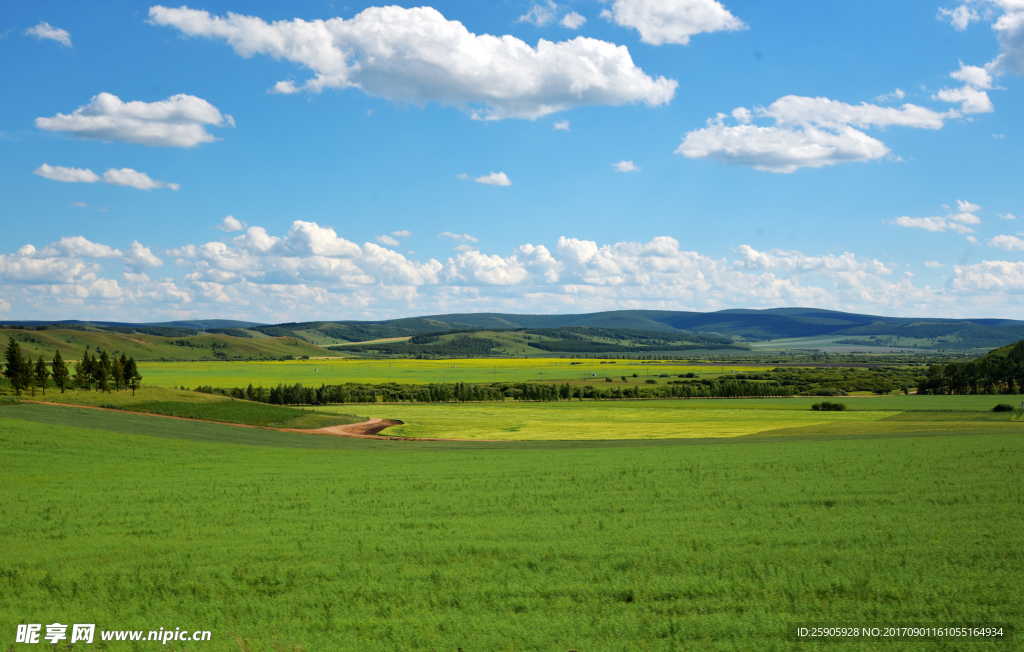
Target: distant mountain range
(739, 324)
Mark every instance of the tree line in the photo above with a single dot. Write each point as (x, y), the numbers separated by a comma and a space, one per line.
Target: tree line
(988, 375)
(91, 372)
(470, 392)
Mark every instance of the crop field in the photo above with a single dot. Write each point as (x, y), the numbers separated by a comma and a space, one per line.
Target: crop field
(665, 419)
(470, 370)
(401, 545)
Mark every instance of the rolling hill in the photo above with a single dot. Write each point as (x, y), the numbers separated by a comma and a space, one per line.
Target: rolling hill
(631, 331)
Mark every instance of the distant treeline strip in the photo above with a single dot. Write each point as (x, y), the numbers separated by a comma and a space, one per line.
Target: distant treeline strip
(463, 392)
(583, 346)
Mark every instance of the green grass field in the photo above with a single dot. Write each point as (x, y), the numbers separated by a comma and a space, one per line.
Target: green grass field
(196, 405)
(471, 370)
(382, 545)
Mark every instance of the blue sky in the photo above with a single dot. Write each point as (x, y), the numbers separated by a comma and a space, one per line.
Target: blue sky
(380, 162)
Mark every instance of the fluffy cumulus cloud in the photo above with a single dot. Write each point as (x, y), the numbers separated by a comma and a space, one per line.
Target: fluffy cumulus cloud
(230, 224)
(572, 20)
(312, 272)
(561, 126)
(494, 179)
(418, 56)
(66, 175)
(1007, 242)
(672, 21)
(47, 31)
(806, 132)
(178, 121)
(626, 166)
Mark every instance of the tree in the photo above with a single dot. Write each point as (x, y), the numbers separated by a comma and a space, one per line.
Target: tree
(103, 372)
(18, 369)
(60, 372)
(42, 374)
(84, 371)
(132, 375)
(117, 371)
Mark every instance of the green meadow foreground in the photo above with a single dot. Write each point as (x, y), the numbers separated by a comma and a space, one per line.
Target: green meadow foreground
(330, 543)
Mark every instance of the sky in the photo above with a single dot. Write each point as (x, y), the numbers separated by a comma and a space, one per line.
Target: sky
(273, 161)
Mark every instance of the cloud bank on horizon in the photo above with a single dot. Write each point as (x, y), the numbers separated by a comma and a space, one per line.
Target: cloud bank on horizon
(313, 271)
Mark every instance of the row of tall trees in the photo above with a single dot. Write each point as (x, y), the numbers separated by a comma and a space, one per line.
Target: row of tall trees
(90, 373)
(99, 372)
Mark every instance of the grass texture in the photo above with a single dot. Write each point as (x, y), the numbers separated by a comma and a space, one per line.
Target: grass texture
(402, 545)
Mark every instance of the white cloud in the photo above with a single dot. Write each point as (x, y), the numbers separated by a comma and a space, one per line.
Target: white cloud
(75, 246)
(808, 132)
(141, 258)
(772, 149)
(933, 224)
(231, 224)
(458, 237)
(417, 56)
(897, 94)
(388, 240)
(122, 177)
(178, 121)
(1008, 216)
(1007, 242)
(572, 20)
(933, 264)
(299, 276)
(494, 179)
(672, 21)
(561, 126)
(46, 31)
(625, 166)
(793, 110)
(67, 175)
(971, 100)
(401, 234)
(80, 204)
(135, 179)
(973, 76)
(960, 17)
(540, 14)
(1009, 29)
(991, 276)
(311, 238)
(955, 221)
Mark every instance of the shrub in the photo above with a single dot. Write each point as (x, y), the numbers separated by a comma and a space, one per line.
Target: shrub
(825, 406)
(1003, 407)
(651, 381)
(607, 379)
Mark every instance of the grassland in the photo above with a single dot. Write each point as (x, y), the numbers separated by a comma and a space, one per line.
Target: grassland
(472, 370)
(400, 545)
(196, 405)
